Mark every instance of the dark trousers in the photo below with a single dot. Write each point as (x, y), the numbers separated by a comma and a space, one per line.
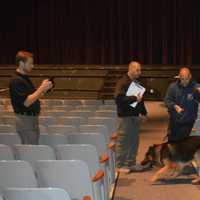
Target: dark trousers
(27, 128)
(178, 131)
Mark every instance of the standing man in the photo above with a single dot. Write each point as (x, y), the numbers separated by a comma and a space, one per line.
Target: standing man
(25, 99)
(182, 102)
(129, 122)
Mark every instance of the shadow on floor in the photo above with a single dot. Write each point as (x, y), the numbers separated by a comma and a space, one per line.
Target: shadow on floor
(174, 181)
(124, 182)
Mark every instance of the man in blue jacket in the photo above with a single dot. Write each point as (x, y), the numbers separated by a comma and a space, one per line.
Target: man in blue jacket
(182, 102)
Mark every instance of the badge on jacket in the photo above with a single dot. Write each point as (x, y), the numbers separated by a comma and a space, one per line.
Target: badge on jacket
(190, 97)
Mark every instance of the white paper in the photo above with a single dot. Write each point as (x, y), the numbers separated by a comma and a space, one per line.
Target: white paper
(135, 89)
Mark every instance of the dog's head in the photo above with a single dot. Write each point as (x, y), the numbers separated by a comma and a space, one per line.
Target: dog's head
(152, 156)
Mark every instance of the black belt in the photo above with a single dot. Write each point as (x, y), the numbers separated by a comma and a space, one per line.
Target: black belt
(28, 113)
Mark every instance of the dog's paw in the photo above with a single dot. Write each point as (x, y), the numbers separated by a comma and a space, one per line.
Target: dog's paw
(153, 179)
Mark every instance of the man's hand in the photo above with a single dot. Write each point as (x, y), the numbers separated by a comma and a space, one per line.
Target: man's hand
(139, 98)
(46, 85)
(198, 89)
(144, 118)
(178, 109)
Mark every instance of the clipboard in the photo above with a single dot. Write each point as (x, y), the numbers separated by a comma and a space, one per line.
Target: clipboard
(135, 89)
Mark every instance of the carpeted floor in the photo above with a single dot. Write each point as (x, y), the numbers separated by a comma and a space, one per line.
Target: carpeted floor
(136, 186)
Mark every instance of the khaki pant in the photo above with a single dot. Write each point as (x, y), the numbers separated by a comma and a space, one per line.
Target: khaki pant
(28, 129)
(128, 140)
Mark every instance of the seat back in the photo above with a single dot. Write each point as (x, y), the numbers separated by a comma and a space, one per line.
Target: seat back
(36, 194)
(91, 128)
(9, 139)
(16, 174)
(6, 152)
(109, 122)
(72, 176)
(53, 140)
(61, 129)
(32, 153)
(95, 139)
(85, 152)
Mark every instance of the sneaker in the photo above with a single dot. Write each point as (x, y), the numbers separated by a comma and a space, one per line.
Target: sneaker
(125, 170)
(136, 168)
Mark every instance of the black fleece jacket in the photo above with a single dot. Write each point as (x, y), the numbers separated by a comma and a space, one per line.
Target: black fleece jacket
(123, 102)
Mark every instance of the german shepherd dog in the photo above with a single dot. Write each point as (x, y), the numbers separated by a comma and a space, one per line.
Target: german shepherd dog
(173, 156)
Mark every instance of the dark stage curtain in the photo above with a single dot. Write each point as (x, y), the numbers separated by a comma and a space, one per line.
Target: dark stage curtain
(101, 31)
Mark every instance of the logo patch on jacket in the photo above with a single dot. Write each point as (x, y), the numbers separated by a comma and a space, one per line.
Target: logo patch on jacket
(190, 97)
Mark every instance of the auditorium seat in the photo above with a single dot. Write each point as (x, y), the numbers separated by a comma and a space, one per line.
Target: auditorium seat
(7, 128)
(46, 120)
(70, 175)
(7, 112)
(107, 107)
(32, 153)
(6, 152)
(87, 107)
(91, 128)
(62, 129)
(97, 140)
(109, 122)
(109, 102)
(73, 102)
(53, 102)
(87, 153)
(9, 139)
(71, 120)
(8, 119)
(91, 102)
(81, 113)
(35, 194)
(60, 108)
(53, 113)
(16, 174)
(43, 129)
(106, 113)
(53, 140)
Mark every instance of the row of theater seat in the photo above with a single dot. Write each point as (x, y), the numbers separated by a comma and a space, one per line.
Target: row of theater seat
(71, 175)
(87, 166)
(99, 166)
(35, 193)
(62, 124)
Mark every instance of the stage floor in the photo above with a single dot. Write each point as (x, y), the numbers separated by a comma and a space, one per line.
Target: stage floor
(136, 186)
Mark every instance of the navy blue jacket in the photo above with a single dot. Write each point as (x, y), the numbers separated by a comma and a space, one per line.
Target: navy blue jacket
(185, 97)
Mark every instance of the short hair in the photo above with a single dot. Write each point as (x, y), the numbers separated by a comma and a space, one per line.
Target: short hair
(23, 56)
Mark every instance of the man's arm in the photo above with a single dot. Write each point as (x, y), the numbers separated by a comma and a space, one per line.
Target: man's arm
(43, 88)
(120, 95)
(170, 98)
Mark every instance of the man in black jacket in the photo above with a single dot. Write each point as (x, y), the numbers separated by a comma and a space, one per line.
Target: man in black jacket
(129, 121)
(182, 102)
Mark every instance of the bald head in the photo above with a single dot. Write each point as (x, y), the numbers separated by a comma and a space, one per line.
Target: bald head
(185, 76)
(134, 69)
